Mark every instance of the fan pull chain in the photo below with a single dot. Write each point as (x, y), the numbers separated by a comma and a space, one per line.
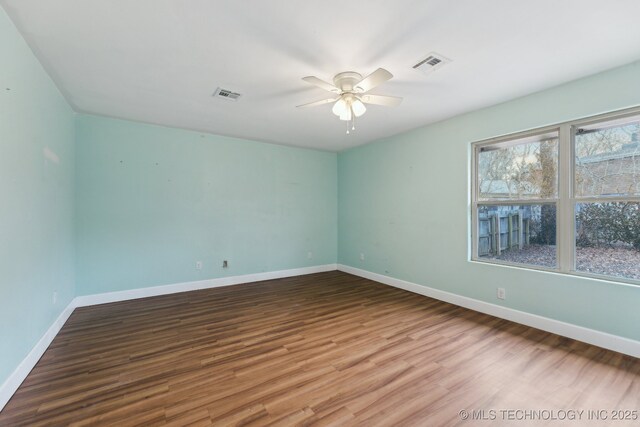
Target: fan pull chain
(351, 122)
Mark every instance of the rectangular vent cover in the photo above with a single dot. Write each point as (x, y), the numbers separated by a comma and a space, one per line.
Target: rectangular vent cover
(431, 63)
(226, 94)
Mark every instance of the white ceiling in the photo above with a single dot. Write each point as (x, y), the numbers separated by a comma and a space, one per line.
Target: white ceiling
(159, 61)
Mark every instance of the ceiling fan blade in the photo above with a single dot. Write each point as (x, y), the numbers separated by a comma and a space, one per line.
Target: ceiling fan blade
(315, 103)
(321, 84)
(374, 79)
(388, 101)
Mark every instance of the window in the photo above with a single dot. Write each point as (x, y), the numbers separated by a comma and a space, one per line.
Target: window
(565, 198)
(517, 198)
(607, 191)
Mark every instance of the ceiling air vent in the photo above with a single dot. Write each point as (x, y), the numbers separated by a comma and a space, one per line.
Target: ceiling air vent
(226, 94)
(431, 63)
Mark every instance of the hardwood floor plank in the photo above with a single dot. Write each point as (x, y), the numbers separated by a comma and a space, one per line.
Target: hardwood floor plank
(323, 349)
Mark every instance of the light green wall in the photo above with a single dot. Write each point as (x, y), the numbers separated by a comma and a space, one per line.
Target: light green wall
(151, 201)
(404, 203)
(36, 199)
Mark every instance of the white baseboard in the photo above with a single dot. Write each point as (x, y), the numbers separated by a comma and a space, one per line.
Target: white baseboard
(87, 300)
(591, 336)
(12, 383)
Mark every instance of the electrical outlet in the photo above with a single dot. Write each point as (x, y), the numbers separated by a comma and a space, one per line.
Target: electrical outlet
(54, 298)
(309, 255)
(225, 264)
(361, 257)
(198, 265)
(501, 293)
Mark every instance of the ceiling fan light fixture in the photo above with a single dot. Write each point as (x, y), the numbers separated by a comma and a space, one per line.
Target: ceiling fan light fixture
(346, 115)
(340, 107)
(358, 108)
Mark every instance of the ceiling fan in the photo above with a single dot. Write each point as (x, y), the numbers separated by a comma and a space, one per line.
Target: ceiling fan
(350, 94)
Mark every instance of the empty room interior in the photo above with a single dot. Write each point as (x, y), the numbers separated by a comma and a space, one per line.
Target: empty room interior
(285, 213)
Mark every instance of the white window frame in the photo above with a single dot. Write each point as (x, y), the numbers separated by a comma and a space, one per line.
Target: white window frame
(566, 199)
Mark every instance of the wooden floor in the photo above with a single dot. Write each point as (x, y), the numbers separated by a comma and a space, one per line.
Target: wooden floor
(322, 349)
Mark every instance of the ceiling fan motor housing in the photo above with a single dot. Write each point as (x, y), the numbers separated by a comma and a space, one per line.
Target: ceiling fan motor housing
(347, 80)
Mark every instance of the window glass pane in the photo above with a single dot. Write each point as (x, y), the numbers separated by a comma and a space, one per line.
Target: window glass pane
(523, 234)
(521, 169)
(608, 238)
(608, 158)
